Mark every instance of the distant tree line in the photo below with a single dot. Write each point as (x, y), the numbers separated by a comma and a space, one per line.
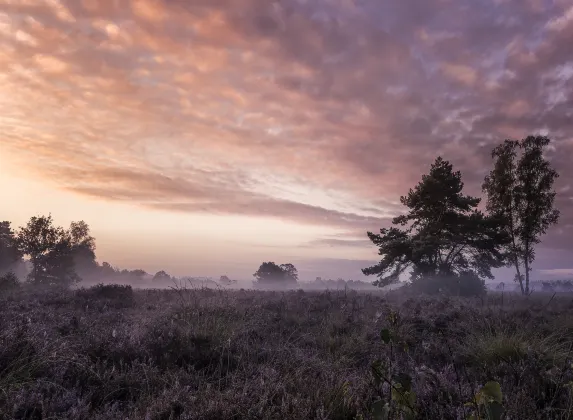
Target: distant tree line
(448, 245)
(443, 240)
(50, 255)
(57, 256)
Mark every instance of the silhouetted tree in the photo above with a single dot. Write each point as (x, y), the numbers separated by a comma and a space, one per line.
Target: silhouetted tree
(50, 249)
(161, 276)
(271, 274)
(138, 273)
(520, 191)
(444, 234)
(290, 272)
(10, 255)
(83, 249)
(106, 270)
(60, 265)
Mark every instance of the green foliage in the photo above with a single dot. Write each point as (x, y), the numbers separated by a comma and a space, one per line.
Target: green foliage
(402, 396)
(488, 402)
(443, 233)
(271, 274)
(385, 335)
(501, 345)
(520, 192)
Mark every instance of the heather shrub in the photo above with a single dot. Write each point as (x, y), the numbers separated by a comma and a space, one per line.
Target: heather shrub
(502, 345)
(204, 354)
(496, 347)
(115, 295)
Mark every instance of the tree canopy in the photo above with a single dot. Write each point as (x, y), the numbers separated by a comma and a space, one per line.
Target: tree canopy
(520, 191)
(51, 251)
(442, 234)
(270, 274)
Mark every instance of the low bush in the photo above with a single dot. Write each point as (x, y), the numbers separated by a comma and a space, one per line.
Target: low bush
(465, 285)
(116, 295)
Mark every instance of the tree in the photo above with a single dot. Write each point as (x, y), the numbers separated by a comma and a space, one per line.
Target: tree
(10, 255)
(107, 270)
(290, 272)
(161, 276)
(443, 233)
(520, 191)
(83, 249)
(270, 273)
(60, 264)
(50, 249)
(138, 272)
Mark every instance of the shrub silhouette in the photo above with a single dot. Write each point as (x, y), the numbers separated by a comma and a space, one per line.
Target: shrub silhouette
(274, 275)
(465, 285)
(115, 295)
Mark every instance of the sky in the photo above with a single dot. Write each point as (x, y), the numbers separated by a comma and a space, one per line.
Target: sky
(203, 137)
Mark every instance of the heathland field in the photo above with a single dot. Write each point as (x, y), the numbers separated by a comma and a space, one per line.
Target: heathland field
(115, 353)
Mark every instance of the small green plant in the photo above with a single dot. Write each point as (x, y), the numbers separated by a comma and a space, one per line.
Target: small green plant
(402, 397)
(487, 403)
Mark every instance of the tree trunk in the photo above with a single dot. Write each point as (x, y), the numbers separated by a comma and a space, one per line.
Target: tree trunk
(35, 269)
(519, 277)
(526, 263)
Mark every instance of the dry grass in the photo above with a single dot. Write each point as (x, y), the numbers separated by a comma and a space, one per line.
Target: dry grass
(209, 354)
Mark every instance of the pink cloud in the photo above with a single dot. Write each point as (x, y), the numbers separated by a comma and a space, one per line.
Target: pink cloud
(181, 105)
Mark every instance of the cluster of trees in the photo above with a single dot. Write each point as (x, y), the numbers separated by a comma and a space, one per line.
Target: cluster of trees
(446, 242)
(59, 256)
(55, 253)
(62, 257)
(271, 274)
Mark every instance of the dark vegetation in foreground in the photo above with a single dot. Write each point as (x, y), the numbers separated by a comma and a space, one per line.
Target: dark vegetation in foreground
(109, 352)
